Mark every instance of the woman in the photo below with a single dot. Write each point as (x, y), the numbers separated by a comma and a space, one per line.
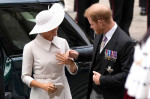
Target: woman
(43, 56)
(138, 81)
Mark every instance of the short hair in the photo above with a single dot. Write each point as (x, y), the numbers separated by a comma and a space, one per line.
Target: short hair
(98, 11)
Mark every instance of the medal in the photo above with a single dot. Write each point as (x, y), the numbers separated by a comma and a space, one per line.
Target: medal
(109, 54)
(109, 69)
(106, 54)
(112, 55)
(115, 56)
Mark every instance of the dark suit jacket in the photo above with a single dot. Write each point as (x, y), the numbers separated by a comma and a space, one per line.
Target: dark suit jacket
(122, 13)
(112, 84)
(81, 6)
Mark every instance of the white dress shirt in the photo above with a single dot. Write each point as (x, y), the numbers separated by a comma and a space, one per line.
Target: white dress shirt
(109, 34)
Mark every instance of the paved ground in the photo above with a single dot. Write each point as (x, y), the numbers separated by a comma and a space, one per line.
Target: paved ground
(138, 26)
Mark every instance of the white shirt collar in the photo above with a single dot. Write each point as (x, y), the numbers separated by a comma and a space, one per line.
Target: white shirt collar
(109, 35)
(111, 32)
(45, 44)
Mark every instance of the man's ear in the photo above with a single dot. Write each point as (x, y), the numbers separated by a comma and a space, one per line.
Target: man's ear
(99, 22)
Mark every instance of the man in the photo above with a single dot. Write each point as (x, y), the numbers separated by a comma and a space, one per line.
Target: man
(112, 56)
(80, 6)
(123, 13)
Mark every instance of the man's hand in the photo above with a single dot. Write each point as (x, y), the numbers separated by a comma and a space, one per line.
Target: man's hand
(96, 77)
(72, 54)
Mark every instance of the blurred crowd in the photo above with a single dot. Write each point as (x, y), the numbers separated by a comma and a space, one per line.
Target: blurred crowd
(122, 13)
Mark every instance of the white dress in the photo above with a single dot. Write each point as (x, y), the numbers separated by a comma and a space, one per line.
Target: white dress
(39, 57)
(138, 80)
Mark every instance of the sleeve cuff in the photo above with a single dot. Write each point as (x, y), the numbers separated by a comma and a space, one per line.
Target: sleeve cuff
(27, 80)
(68, 67)
(101, 80)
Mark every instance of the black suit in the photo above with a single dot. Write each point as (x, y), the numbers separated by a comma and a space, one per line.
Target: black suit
(142, 3)
(123, 13)
(81, 6)
(112, 84)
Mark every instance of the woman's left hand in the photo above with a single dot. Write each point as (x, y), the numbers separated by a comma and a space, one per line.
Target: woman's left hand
(64, 59)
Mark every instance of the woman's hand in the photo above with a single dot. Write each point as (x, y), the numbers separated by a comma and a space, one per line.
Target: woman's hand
(64, 59)
(49, 87)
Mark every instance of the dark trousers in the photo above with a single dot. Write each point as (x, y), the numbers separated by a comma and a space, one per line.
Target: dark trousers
(142, 3)
(148, 14)
(81, 6)
(95, 95)
(123, 13)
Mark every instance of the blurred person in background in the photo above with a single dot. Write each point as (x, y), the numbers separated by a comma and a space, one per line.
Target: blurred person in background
(122, 13)
(142, 4)
(80, 7)
(138, 80)
(148, 13)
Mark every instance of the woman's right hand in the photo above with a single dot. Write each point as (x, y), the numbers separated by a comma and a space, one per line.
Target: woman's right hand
(49, 87)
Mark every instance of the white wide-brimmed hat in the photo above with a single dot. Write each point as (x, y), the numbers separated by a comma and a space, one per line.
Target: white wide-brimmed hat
(48, 19)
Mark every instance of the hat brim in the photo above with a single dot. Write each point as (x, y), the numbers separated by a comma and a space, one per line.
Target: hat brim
(54, 21)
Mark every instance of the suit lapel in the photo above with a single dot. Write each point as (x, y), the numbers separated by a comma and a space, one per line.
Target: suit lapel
(96, 46)
(111, 45)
